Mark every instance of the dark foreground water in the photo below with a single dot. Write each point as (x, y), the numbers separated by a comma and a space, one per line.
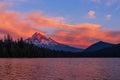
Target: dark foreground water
(60, 69)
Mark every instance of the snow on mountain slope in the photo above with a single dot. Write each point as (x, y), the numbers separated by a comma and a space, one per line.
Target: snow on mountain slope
(42, 41)
(98, 46)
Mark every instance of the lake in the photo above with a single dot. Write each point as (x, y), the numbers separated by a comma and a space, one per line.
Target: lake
(60, 69)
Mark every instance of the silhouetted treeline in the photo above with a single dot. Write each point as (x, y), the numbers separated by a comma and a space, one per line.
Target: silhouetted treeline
(21, 49)
(113, 51)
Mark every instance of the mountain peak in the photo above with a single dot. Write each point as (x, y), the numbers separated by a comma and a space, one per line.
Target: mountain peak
(39, 36)
(98, 46)
(102, 42)
(41, 40)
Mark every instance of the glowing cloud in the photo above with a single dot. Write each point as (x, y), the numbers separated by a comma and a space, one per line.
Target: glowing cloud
(24, 25)
(38, 19)
(85, 36)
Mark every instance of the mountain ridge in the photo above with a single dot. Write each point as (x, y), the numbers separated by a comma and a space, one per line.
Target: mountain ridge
(41, 40)
(98, 46)
(20, 49)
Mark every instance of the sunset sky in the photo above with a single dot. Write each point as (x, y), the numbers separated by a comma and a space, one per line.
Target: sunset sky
(78, 23)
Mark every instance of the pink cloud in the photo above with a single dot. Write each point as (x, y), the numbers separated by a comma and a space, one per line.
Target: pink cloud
(24, 25)
(91, 14)
(5, 4)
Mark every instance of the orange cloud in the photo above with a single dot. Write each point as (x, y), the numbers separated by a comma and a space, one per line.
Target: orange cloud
(86, 34)
(12, 22)
(80, 35)
(25, 24)
(38, 19)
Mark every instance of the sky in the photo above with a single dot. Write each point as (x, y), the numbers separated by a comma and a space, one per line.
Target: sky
(78, 23)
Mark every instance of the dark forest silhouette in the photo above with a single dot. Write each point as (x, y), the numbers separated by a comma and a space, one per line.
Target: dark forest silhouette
(10, 48)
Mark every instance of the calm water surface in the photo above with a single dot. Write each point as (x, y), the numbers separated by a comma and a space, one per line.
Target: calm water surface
(60, 69)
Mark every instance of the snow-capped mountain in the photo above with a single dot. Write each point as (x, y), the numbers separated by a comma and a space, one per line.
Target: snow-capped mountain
(98, 46)
(42, 41)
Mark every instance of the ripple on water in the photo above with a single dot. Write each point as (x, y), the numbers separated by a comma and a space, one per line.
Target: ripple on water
(60, 69)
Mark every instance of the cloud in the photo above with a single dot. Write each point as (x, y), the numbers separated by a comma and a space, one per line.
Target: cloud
(14, 25)
(108, 17)
(78, 35)
(91, 14)
(25, 24)
(9, 3)
(85, 35)
(38, 19)
(3, 5)
(20, 24)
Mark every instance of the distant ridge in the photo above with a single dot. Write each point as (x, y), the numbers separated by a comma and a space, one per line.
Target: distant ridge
(98, 46)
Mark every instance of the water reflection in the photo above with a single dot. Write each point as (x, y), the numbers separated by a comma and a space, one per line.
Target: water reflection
(59, 69)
